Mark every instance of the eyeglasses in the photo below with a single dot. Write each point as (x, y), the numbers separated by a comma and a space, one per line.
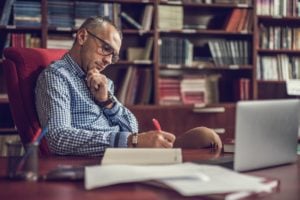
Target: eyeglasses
(106, 49)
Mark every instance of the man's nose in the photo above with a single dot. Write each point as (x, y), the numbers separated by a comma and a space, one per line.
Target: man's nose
(107, 59)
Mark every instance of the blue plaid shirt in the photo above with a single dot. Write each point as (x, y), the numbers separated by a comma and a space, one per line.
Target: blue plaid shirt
(76, 124)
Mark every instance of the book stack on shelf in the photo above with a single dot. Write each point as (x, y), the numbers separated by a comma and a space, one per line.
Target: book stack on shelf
(170, 17)
(84, 10)
(190, 89)
(27, 13)
(169, 91)
(135, 86)
(240, 20)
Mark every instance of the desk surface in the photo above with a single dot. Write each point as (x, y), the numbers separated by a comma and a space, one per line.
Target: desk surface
(289, 176)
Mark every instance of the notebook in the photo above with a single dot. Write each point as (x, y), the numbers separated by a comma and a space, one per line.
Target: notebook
(142, 156)
(266, 135)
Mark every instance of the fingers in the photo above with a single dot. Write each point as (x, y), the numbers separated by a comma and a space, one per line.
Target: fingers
(168, 136)
(157, 139)
(95, 79)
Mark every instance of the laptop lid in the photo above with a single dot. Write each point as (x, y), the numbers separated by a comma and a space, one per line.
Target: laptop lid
(266, 133)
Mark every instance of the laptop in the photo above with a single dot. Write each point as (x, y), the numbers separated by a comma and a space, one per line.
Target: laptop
(266, 135)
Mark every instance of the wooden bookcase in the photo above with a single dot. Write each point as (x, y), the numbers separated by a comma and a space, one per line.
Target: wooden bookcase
(212, 24)
(277, 37)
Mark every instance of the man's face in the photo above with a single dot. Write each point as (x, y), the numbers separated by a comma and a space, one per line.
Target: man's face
(100, 47)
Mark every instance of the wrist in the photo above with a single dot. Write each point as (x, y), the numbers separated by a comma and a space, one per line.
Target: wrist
(132, 140)
(108, 103)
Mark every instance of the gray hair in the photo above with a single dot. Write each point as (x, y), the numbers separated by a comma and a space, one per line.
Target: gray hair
(93, 22)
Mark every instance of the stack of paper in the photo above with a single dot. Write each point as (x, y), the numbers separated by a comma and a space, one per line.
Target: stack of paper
(188, 179)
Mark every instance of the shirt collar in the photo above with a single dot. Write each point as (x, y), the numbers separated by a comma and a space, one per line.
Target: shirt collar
(74, 66)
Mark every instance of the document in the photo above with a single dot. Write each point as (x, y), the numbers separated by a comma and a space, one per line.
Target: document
(141, 156)
(188, 179)
(222, 181)
(100, 176)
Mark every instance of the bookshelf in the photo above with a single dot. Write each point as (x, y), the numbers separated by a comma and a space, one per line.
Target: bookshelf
(214, 46)
(277, 50)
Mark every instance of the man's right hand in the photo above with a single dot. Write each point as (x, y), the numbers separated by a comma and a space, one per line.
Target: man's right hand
(154, 139)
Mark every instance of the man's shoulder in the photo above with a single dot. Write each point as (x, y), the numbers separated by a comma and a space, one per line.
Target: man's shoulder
(59, 67)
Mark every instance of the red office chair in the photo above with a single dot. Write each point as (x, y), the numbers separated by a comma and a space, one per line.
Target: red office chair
(21, 69)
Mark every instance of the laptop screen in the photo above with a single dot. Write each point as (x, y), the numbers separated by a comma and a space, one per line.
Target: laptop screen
(266, 133)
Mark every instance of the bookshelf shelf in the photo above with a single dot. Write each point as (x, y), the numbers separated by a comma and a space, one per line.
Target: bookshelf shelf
(279, 19)
(8, 131)
(205, 32)
(136, 62)
(139, 32)
(127, 1)
(271, 82)
(19, 28)
(196, 68)
(211, 5)
(278, 51)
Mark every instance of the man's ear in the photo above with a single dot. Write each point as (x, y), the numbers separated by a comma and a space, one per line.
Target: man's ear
(81, 36)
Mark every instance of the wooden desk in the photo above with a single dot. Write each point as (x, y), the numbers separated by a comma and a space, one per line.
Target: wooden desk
(289, 176)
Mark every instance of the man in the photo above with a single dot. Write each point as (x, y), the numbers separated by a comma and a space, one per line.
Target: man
(76, 102)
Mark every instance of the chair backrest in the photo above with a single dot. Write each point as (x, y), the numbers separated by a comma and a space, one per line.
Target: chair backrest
(21, 69)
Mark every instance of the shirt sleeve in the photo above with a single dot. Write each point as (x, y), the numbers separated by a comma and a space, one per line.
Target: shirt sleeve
(120, 115)
(53, 103)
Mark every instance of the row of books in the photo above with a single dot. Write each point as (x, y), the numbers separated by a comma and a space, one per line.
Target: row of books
(247, 2)
(170, 17)
(64, 13)
(59, 41)
(176, 51)
(240, 20)
(278, 37)
(141, 53)
(190, 89)
(60, 13)
(280, 67)
(229, 52)
(136, 87)
(84, 10)
(23, 40)
(143, 24)
(27, 13)
(278, 7)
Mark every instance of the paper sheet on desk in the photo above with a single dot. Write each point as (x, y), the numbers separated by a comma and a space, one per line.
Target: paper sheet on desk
(188, 179)
(100, 176)
(221, 179)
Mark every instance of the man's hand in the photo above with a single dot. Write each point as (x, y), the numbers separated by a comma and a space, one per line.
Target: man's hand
(97, 84)
(154, 139)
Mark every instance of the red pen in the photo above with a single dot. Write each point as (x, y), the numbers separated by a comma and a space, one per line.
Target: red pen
(156, 124)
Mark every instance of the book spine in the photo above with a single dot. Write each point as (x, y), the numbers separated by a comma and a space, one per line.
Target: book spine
(130, 20)
(6, 12)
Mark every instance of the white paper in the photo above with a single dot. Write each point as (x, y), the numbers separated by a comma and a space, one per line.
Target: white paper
(221, 179)
(293, 87)
(141, 156)
(187, 179)
(100, 176)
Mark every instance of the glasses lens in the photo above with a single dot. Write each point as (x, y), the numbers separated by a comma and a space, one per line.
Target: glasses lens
(107, 49)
